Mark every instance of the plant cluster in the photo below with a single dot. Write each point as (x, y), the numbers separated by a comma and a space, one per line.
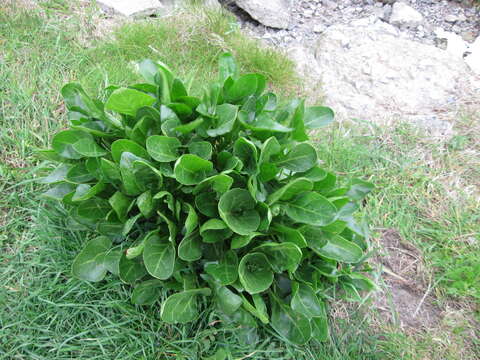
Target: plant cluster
(218, 197)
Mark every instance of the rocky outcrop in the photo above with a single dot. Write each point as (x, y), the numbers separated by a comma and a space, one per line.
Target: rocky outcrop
(369, 72)
(272, 13)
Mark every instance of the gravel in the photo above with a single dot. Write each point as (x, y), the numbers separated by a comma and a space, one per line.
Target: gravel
(310, 18)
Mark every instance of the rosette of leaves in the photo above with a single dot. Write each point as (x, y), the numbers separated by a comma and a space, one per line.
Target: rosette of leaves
(216, 200)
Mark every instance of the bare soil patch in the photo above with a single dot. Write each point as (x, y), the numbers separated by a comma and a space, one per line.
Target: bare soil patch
(406, 299)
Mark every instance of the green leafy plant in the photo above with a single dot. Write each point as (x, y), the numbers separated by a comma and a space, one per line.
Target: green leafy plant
(217, 197)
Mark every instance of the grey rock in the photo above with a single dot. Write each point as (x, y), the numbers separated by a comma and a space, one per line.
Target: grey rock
(405, 16)
(368, 72)
(132, 8)
(272, 13)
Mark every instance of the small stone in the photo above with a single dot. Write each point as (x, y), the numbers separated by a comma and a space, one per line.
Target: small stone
(405, 16)
(318, 28)
(451, 18)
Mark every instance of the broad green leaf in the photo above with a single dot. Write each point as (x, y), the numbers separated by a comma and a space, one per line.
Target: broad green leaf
(128, 101)
(77, 100)
(214, 230)
(301, 158)
(182, 307)
(297, 124)
(361, 282)
(288, 234)
(111, 260)
(311, 208)
(337, 248)
(291, 325)
(188, 127)
(59, 191)
(131, 270)
(120, 204)
(226, 270)
(129, 177)
(326, 185)
(78, 174)
(145, 203)
(110, 170)
(63, 142)
(289, 190)
(237, 209)
(270, 148)
(191, 222)
(220, 183)
(247, 152)
(244, 86)
(254, 273)
(225, 120)
(59, 174)
(227, 300)
(258, 310)
(240, 241)
(305, 301)
(359, 189)
(318, 116)
(281, 256)
(315, 174)
(129, 224)
(89, 148)
(190, 248)
(93, 166)
(178, 89)
(314, 236)
(201, 148)
(159, 257)
(89, 264)
(163, 148)
(172, 227)
(124, 145)
(94, 208)
(207, 204)
(147, 292)
(190, 169)
(319, 328)
(263, 123)
(85, 191)
(226, 67)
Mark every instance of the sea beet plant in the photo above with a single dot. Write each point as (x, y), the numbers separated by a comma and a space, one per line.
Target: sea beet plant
(218, 198)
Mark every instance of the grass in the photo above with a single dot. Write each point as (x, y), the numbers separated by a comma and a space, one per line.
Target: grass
(427, 190)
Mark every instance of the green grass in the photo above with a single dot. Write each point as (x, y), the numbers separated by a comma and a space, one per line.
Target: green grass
(46, 314)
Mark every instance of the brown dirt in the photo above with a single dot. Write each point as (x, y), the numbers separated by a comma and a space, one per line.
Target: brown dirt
(406, 299)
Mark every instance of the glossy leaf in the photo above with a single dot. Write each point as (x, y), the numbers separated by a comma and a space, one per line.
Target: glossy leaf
(190, 169)
(291, 325)
(159, 257)
(281, 256)
(214, 230)
(301, 158)
(182, 307)
(124, 145)
(147, 292)
(163, 148)
(190, 248)
(337, 248)
(128, 101)
(237, 209)
(226, 270)
(311, 208)
(255, 273)
(318, 116)
(89, 264)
